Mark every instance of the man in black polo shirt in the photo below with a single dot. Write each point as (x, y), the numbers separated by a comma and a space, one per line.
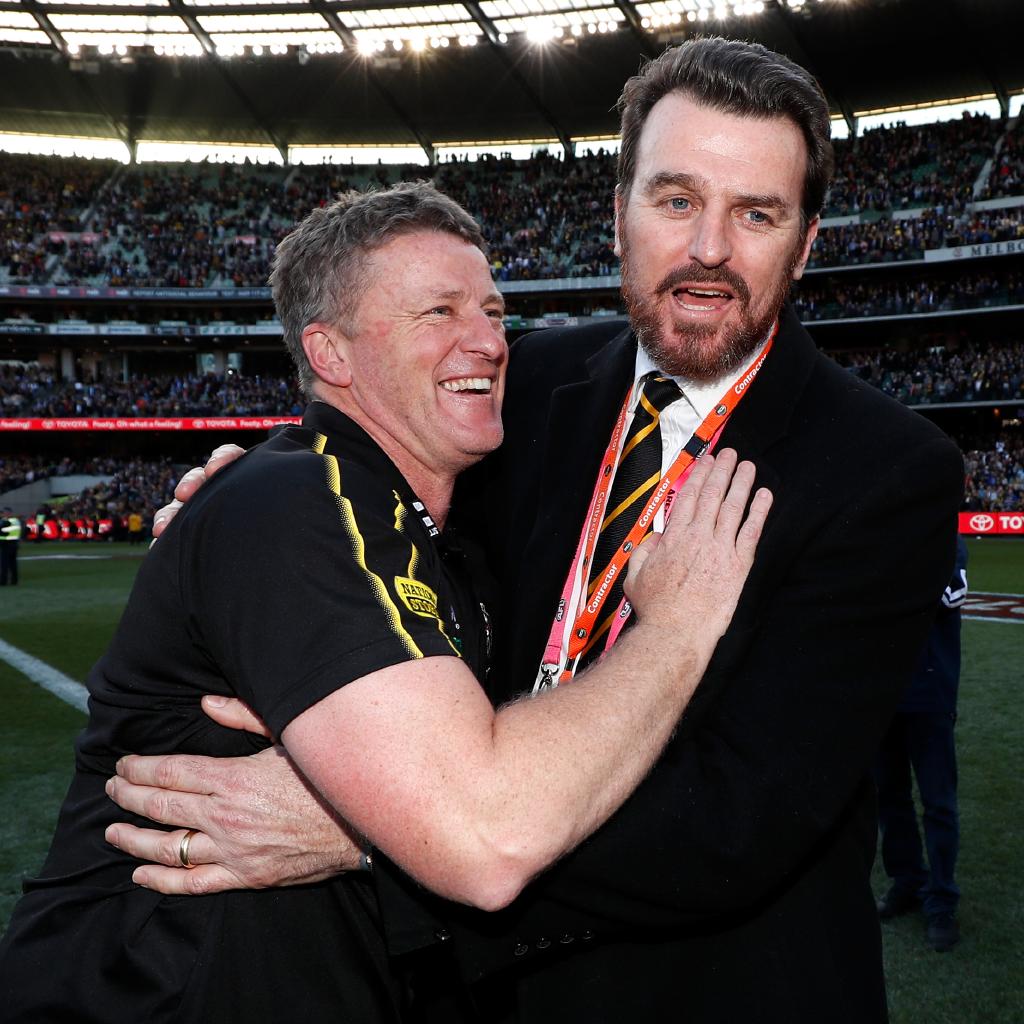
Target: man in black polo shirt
(315, 580)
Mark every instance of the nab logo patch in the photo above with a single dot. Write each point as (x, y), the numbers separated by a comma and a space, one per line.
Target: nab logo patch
(417, 597)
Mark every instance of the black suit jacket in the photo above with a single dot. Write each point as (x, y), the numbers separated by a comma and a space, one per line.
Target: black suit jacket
(733, 885)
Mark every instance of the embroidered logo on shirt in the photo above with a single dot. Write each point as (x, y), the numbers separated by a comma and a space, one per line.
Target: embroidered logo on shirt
(416, 596)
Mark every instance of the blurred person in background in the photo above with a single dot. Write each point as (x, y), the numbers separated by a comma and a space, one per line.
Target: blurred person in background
(921, 744)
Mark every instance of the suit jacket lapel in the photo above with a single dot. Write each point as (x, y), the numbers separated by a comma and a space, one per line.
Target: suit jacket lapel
(764, 415)
(580, 422)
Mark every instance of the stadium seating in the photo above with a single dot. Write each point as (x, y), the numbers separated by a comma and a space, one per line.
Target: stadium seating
(66, 221)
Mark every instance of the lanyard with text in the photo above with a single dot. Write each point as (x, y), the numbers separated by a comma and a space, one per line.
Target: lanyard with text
(578, 612)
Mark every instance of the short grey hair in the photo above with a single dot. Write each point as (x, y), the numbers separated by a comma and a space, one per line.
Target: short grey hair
(318, 269)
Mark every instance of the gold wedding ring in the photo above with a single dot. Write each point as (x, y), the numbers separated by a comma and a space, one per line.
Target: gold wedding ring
(186, 840)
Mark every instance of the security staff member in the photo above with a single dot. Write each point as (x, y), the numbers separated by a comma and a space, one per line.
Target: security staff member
(10, 535)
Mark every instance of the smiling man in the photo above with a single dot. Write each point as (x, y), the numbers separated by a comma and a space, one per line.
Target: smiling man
(316, 580)
(733, 885)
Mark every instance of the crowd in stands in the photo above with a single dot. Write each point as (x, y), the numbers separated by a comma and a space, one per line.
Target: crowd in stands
(907, 166)
(146, 395)
(995, 478)
(129, 486)
(1007, 175)
(18, 470)
(20, 384)
(886, 240)
(973, 373)
(839, 297)
(542, 218)
(64, 220)
(137, 485)
(41, 197)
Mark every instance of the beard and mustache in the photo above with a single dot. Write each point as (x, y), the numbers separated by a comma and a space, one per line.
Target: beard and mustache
(697, 352)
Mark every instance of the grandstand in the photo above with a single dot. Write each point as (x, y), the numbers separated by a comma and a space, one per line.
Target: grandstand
(133, 290)
(137, 331)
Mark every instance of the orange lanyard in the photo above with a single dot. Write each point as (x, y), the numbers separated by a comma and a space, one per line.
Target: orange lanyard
(567, 641)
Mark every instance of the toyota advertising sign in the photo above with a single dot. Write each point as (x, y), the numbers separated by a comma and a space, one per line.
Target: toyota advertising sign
(996, 523)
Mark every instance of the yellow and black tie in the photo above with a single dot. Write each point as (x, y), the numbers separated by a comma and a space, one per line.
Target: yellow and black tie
(636, 476)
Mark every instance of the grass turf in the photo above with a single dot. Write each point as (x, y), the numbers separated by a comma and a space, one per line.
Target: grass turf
(66, 609)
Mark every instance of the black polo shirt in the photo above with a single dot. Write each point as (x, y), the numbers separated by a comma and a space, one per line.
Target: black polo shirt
(306, 564)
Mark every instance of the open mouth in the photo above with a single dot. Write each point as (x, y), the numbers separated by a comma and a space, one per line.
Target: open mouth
(472, 385)
(701, 300)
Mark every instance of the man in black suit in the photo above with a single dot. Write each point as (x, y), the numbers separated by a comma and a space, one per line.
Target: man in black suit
(733, 885)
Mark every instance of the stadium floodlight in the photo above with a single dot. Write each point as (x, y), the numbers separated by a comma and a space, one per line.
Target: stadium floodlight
(367, 47)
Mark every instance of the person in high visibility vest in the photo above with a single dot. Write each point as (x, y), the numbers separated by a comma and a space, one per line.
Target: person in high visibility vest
(10, 534)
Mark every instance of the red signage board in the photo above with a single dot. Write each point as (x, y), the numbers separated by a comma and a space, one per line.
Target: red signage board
(1009, 523)
(130, 423)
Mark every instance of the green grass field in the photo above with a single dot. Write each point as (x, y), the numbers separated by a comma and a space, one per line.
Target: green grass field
(65, 611)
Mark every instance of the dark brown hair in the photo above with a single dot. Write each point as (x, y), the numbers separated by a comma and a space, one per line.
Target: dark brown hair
(738, 78)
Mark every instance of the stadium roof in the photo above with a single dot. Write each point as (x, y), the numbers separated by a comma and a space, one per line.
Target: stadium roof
(402, 72)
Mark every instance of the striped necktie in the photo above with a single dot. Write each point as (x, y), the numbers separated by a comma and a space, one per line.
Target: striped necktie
(637, 473)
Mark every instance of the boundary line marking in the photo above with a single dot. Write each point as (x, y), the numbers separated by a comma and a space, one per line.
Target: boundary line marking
(67, 689)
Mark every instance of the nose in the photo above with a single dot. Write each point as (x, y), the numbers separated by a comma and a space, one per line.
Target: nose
(709, 243)
(485, 336)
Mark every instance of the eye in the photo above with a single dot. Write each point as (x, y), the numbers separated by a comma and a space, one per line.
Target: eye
(496, 314)
(758, 217)
(440, 311)
(680, 203)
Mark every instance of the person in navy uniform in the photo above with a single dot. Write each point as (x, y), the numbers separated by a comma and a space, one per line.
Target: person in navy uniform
(921, 740)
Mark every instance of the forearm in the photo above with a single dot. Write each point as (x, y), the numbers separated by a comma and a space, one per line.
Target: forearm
(473, 804)
(565, 760)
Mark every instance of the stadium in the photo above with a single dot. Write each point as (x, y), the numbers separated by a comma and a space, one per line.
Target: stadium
(154, 153)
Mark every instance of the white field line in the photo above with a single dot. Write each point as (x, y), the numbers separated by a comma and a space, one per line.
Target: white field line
(46, 676)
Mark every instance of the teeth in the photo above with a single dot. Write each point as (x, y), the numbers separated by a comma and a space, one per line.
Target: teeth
(467, 384)
(701, 291)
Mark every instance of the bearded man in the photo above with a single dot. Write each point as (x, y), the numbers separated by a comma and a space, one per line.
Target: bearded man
(733, 884)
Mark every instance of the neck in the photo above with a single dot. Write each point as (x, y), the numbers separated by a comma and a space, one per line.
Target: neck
(434, 492)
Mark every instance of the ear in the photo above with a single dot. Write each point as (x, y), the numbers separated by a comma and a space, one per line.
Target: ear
(620, 212)
(805, 252)
(325, 348)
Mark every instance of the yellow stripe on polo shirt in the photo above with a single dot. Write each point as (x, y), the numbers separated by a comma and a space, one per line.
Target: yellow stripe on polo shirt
(348, 521)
